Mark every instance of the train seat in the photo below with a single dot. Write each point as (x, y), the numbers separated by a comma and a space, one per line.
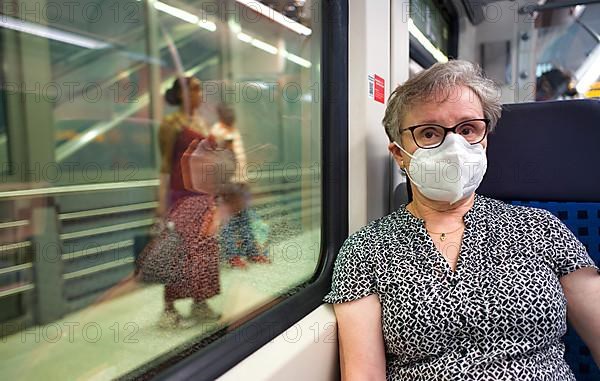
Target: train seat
(545, 155)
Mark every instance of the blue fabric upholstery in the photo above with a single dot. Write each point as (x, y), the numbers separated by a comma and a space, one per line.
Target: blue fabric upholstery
(584, 221)
(545, 155)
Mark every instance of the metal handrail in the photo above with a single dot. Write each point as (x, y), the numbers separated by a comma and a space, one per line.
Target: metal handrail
(16, 268)
(96, 250)
(98, 268)
(16, 290)
(109, 229)
(16, 245)
(110, 210)
(69, 189)
(13, 224)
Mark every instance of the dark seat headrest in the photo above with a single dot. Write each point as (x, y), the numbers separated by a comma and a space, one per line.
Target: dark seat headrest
(545, 151)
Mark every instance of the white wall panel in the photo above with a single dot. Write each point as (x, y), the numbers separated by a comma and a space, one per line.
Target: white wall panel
(369, 36)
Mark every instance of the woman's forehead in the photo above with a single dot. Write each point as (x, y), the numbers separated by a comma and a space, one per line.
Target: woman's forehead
(446, 107)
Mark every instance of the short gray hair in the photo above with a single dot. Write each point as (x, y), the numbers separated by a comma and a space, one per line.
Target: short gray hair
(441, 77)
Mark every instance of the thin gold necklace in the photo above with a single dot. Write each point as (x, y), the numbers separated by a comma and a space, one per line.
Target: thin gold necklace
(443, 235)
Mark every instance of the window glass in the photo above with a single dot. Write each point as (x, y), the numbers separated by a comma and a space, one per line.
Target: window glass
(566, 54)
(429, 17)
(164, 180)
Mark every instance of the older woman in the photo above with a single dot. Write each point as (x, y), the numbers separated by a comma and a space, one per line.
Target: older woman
(454, 285)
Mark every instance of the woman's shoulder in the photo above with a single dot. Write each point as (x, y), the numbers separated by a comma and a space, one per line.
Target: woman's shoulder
(171, 122)
(378, 230)
(172, 117)
(516, 213)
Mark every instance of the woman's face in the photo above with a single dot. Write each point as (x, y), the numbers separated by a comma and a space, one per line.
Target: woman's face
(446, 108)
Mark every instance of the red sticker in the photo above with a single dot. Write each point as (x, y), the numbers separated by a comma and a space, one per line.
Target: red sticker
(379, 89)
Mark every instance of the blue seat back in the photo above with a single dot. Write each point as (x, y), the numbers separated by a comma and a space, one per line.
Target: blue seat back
(545, 155)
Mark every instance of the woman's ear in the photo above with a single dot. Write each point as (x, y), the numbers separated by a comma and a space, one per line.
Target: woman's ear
(397, 154)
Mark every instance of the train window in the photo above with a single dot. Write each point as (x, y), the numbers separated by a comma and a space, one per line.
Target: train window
(433, 28)
(166, 181)
(429, 17)
(414, 68)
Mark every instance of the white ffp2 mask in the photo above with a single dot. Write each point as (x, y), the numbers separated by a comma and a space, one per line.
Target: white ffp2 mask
(449, 172)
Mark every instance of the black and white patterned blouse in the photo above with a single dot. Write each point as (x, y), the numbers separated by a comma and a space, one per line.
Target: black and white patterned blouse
(499, 316)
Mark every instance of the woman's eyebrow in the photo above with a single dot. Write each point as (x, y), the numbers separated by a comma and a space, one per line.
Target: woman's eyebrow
(435, 121)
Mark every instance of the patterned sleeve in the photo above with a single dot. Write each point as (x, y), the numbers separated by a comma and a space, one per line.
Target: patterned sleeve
(563, 249)
(353, 276)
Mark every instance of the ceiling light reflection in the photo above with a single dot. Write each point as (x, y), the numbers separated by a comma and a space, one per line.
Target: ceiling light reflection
(51, 33)
(279, 18)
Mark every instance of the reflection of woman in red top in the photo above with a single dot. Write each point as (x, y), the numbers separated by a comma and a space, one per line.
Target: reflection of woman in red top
(192, 213)
(176, 132)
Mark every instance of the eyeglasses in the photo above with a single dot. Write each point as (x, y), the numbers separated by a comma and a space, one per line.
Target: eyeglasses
(432, 135)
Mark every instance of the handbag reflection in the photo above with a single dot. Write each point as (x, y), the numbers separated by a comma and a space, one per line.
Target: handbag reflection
(207, 168)
(162, 260)
(169, 257)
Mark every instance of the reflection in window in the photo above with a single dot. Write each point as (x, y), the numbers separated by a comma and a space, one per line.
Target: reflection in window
(167, 178)
(568, 53)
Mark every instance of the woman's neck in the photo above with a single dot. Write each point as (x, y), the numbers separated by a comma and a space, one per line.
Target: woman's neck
(439, 212)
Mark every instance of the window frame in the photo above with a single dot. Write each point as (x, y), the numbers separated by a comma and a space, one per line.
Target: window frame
(216, 354)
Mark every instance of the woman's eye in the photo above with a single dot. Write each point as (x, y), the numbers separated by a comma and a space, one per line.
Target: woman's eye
(466, 130)
(430, 134)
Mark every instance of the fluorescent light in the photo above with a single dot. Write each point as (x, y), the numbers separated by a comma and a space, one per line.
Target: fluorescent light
(272, 49)
(297, 59)
(51, 33)
(276, 16)
(244, 37)
(257, 43)
(88, 136)
(176, 12)
(435, 52)
(185, 16)
(264, 46)
(208, 25)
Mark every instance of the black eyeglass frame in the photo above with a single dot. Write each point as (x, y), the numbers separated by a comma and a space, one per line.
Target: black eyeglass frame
(447, 130)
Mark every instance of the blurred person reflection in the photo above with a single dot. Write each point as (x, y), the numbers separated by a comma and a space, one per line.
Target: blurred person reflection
(192, 215)
(237, 238)
(554, 84)
(175, 134)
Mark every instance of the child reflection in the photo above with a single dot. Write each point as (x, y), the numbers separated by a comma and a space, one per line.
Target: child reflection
(237, 240)
(192, 215)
